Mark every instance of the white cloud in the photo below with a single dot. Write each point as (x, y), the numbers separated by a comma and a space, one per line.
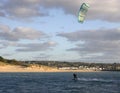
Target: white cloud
(95, 35)
(3, 44)
(35, 47)
(4, 28)
(105, 42)
(13, 38)
(27, 33)
(23, 8)
(100, 10)
(20, 33)
(42, 56)
(28, 47)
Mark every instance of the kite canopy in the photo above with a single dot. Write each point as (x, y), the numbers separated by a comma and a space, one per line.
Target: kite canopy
(82, 12)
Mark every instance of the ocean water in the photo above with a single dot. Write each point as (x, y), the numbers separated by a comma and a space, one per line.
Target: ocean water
(95, 82)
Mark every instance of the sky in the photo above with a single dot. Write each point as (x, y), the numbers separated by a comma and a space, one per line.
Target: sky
(49, 30)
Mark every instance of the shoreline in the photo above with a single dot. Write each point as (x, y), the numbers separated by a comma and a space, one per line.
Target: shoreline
(13, 68)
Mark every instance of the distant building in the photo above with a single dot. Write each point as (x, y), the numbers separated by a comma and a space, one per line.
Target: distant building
(67, 68)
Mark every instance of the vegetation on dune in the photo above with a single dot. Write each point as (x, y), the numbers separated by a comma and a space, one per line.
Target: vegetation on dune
(58, 64)
(4, 61)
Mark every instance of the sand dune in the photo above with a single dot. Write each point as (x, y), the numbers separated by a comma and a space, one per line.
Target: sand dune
(34, 68)
(12, 68)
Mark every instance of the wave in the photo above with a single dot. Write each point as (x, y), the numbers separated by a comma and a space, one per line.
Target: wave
(97, 80)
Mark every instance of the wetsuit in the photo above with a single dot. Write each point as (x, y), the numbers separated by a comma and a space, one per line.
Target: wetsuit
(75, 76)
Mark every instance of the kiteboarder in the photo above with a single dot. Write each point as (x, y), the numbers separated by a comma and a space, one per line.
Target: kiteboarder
(74, 76)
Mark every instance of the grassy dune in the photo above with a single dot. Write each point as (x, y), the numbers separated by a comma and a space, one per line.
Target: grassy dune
(8, 67)
(17, 66)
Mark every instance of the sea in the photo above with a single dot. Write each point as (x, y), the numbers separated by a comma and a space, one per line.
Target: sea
(60, 82)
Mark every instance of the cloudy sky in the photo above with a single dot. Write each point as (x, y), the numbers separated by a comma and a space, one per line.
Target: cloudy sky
(49, 30)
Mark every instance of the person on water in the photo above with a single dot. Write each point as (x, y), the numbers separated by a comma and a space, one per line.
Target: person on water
(75, 76)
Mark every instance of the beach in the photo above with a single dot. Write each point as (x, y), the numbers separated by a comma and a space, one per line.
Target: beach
(35, 68)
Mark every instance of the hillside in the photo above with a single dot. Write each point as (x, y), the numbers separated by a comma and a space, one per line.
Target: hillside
(17, 66)
(53, 66)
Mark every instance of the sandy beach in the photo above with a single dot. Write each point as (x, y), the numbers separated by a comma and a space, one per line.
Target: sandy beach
(35, 68)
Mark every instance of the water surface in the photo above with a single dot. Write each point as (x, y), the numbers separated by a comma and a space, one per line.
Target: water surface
(95, 82)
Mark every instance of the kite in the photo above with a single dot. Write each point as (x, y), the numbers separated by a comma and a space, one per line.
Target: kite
(82, 12)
